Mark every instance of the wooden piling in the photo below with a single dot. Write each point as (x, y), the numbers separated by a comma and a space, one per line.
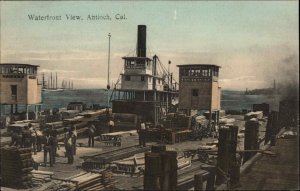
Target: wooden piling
(223, 154)
(169, 170)
(226, 152)
(232, 145)
(153, 168)
(160, 169)
(251, 138)
(210, 185)
(234, 175)
(268, 129)
(158, 148)
(198, 182)
(275, 123)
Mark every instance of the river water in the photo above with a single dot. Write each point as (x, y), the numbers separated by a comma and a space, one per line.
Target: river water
(230, 100)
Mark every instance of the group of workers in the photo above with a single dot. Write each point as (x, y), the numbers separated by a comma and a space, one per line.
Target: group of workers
(34, 139)
(29, 137)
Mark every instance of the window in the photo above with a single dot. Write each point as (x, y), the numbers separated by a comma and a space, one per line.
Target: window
(13, 92)
(195, 92)
(127, 78)
(142, 78)
(149, 79)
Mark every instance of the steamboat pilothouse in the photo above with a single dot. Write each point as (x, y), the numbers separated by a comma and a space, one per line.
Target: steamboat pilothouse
(146, 87)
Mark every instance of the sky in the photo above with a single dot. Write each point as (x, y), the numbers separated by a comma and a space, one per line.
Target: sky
(254, 42)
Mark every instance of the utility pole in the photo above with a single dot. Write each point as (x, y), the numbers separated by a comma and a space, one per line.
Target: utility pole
(108, 71)
(169, 63)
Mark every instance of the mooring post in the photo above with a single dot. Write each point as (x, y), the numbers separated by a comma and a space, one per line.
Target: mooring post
(158, 148)
(153, 168)
(169, 170)
(198, 182)
(251, 138)
(223, 155)
(160, 169)
(268, 128)
(275, 125)
(210, 184)
(234, 175)
(232, 144)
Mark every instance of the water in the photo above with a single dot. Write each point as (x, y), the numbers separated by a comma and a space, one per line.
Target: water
(230, 100)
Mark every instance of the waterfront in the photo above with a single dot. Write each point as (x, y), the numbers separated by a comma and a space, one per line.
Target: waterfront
(230, 100)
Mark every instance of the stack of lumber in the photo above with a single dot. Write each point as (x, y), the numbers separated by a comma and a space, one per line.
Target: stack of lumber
(102, 160)
(92, 181)
(16, 164)
(93, 114)
(40, 177)
(250, 115)
(177, 121)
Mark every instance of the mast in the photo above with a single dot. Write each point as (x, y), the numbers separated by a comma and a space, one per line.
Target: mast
(51, 81)
(56, 81)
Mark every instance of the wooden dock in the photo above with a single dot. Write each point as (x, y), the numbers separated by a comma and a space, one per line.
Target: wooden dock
(275, 172)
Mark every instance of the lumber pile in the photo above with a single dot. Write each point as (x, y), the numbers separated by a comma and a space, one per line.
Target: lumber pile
(97, 180)
(250, 115)
(102, 160)
(40, 177)
(177, 121)
(16, 165)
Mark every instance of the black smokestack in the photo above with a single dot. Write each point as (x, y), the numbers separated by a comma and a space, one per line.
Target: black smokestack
(141, 41)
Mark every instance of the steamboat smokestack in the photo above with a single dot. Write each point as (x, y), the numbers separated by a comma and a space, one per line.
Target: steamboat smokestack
(141, 41)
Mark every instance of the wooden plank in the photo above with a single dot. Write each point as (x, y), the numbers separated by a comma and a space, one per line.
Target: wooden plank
(77, 175)
(42, 172)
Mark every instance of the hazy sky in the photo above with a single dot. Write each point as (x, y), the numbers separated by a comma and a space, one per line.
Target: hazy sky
(254, 42)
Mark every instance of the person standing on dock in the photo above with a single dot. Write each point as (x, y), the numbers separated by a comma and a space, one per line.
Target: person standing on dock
(111, 125)
(33, 137)
(26, 137)
(16, 138)
(66, 134)
(91, 134)
(39, 140)
(55, 143)
(48, 148)
(142, 136)
(69, 146)
(74, 139)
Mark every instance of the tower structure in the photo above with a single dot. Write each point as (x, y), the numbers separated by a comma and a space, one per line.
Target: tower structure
(19, 86)
(199, 89)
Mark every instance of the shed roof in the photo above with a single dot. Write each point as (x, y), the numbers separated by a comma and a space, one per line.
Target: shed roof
(201, 65)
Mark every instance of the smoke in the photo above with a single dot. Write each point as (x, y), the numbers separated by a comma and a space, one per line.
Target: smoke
(288, 77)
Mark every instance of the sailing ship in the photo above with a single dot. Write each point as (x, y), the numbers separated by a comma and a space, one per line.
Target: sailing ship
(51, 85)
(67, 85)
